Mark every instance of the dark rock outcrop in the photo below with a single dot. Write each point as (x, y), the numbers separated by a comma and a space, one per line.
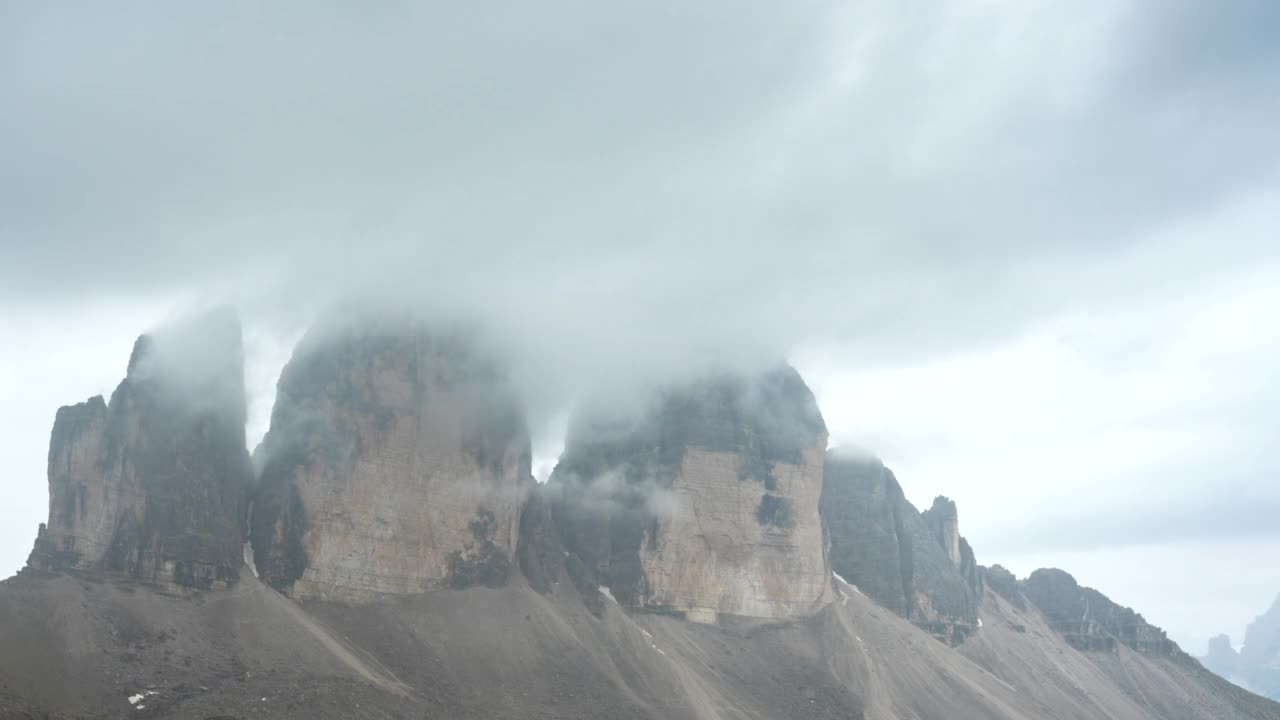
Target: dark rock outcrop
(1089, 620)
(944, 519)
(704, 504)
(1005, 584)
(397, 462)
(917, 565)
(152, 485)
(539, 552)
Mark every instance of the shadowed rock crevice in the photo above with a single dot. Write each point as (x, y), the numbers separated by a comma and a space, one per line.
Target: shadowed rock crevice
(540, 555)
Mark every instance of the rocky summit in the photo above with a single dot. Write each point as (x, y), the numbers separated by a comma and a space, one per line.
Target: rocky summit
(396, 462)
(1089, 620)
(1256, 665)
(915, 564)
(704, 504)
(151, 485)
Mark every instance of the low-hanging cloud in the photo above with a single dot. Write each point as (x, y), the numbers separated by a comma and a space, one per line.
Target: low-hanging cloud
(627, 186)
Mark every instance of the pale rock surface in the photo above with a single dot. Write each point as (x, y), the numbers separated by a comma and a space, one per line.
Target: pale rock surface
(396, 462)
(713, 556)
(707, 505)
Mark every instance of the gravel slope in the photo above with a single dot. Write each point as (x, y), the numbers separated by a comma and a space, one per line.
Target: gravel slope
(74, 647)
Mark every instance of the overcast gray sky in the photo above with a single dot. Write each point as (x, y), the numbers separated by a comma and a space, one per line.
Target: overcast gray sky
(1024, 251)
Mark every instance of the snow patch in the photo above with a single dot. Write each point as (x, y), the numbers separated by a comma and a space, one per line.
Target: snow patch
(649, 636)
(248, 558)
(836, 575)
(608, 593)
(979, 622)
(135, 699)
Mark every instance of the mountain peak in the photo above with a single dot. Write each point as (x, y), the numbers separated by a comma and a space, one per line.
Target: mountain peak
(152, 484)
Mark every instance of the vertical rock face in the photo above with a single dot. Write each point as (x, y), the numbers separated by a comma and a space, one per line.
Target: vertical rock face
(152, 485)
(944, 520)
(705, 504)
(1257, 665)
(1089, 620)
(540, 554)
(916, 565)
(396, 462)
(1222, 658)
(871, 546)
(1260, 654)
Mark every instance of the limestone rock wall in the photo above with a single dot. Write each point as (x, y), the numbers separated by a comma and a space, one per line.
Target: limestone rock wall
(396, 462)
(1089, 620)
(917, 565)
(944, 520)
(706, 504)
(1003, 582)
(152, 485)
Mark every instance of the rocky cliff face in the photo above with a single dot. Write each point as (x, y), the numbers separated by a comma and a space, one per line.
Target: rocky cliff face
(944, 520)
(1222, 658)
(705, 504)
(152, 484)
(1005, 584)
(1089, 620)
(1257, 664)
(914, 564)
(1260, 654)
(396, 462)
